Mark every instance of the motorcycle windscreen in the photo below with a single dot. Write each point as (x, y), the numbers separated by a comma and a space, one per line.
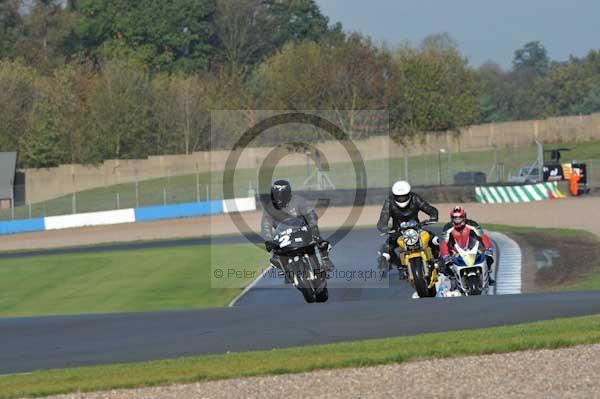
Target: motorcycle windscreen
(468, 256)
(293, 223)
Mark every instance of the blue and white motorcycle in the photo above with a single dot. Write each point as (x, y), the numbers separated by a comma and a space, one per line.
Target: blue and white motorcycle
(470, 271)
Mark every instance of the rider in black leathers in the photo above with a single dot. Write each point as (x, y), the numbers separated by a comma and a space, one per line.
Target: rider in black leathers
(403, 206)
(283, 206)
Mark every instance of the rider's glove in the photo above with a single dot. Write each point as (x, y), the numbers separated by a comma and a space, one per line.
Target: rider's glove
(447, 260)
(325, 245)
(269, 246)
(444, 266)
(315, 234)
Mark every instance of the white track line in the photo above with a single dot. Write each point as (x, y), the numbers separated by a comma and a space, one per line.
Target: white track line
(249, 287)
(508, 270)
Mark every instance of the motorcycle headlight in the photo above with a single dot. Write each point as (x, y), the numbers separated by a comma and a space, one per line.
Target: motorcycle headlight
(411, 237)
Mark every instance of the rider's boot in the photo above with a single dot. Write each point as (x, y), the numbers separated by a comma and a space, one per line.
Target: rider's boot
(277, 264)
(327, 264)
(453, 285)
(403, 272)
(490, 262)
(383, 261)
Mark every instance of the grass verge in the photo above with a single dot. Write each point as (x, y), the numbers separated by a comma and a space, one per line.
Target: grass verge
(124, 280)
(540, 335)
(551, 231)
(558, 259)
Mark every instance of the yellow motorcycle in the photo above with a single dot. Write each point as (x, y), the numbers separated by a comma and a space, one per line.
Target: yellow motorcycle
(416, 259)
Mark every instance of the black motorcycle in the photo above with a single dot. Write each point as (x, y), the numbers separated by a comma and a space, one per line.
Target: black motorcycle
(299, 252)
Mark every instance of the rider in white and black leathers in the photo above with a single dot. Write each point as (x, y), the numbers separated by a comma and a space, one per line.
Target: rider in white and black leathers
(283, 206)
(403, 206)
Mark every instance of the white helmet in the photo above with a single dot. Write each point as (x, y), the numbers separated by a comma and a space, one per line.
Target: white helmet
(401, 192)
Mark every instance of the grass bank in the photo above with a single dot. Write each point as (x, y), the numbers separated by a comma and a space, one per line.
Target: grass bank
(125, 280)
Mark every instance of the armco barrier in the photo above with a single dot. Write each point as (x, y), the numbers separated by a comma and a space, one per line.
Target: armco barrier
(22, 226)
(129, 215)
(90, 219)
(517, 194)
(239, 205)
(178, 211)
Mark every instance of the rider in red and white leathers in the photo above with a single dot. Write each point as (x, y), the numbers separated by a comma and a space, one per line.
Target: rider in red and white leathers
(459, 231)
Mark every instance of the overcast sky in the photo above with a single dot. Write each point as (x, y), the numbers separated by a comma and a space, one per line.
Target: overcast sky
(484, 29)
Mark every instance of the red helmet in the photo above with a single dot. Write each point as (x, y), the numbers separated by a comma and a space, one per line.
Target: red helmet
(458, 216)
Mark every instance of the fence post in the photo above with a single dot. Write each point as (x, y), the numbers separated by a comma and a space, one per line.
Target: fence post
(207, 193)
(164, 196)
(590, 175)
(251, 191)
(450, 180)
(74, 203)
(12, 200)
(406, 165)
(137, 194)
(29, 208)
(118, 201)
(197, 187)
(363, 179)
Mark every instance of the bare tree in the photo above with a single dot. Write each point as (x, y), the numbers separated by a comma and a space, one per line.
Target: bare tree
(241, 26)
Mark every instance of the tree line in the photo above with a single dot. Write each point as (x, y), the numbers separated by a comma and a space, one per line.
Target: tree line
(86, 80)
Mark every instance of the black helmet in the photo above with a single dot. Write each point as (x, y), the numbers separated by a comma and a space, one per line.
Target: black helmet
(281, 193)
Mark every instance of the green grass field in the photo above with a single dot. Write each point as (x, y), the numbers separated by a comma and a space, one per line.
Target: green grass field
(423, 170)
(541, 335)
(123, 281)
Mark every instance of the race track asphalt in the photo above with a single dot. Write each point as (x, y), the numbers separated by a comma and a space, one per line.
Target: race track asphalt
(356, 277)
(270, 317)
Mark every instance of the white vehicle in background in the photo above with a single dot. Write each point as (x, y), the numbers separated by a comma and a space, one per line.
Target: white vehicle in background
(526, 175)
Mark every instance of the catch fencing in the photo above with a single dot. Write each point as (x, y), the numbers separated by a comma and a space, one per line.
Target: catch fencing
(442, 169)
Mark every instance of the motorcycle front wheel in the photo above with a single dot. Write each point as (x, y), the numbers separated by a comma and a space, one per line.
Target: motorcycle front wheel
(417, 268)
(323, 295)
(474, 285)
(319, 295)
(308, 294)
